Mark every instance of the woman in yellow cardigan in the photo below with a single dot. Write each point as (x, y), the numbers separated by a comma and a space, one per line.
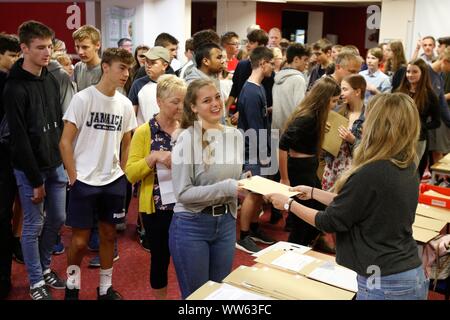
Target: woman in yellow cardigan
(151, 144)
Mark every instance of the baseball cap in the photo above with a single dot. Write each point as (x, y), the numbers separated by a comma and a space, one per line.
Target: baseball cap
(158, 53)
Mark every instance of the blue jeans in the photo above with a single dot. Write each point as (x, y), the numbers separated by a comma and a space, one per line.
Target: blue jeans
(408, 285)
(202, 248)
(40, 228)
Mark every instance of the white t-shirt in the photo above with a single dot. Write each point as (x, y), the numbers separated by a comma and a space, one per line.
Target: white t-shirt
(101, 122)
(147, 103)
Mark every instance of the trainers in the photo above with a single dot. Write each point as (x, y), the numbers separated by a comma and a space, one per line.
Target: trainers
(111, 294)
(17, 251)
(260, 236)
(144, 242)
(95, 261)
(40, 293)
(53, 281)
(94, 243)
(58, 249)
(71, 294)
(247, 245)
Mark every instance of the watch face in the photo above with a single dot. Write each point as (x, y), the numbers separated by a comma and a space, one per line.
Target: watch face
(286, 206)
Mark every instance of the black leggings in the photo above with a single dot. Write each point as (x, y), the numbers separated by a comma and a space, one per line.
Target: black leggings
(303, 171)
(157, 232)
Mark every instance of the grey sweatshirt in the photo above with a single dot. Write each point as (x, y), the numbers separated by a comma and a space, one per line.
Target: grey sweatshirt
(66, 87)
(288, 91)
(198, 185)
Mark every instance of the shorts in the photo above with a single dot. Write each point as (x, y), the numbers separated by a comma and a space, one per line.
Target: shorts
(86, 201)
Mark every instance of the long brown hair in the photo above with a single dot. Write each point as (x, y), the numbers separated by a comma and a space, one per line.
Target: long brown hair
(398, 59)
(316, 104)
(189, 117)
(388, 117)
(357, 81)
(423, 88)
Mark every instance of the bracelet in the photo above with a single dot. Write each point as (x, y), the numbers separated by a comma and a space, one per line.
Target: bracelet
(312, 191)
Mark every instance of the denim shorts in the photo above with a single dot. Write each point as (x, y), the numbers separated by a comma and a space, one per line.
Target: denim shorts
(85, 201)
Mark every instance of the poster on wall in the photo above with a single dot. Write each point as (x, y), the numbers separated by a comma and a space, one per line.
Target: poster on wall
(119, 25)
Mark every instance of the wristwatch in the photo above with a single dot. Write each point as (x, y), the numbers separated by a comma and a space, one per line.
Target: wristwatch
(287, 205)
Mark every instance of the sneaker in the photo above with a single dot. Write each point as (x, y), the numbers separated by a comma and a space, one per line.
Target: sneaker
(111, 294)
(17, 251)
(145, 244)
(260, 236)
(53, 281)
(95, 261)
(247, 245)
(40, 293)
(58, 249)
(71, 294)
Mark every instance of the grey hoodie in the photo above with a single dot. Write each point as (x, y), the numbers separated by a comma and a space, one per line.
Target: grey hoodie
(196, 74)
(66, 87)
(288, 91)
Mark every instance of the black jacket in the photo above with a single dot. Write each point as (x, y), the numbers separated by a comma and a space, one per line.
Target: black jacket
(33, 111)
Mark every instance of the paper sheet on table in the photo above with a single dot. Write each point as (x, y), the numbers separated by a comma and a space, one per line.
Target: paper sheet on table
(228, 292)
(331, 141)
(293, 261)
(433, 193)
(335, 275)
(265, 186)
(165, 184)
(283, 245)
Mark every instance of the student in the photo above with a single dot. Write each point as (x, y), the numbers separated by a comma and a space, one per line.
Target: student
(203, 228)
(256, 38)
(290, 85)
(335, 50)
(151, 145)
(428, 44)
(66, 62)
(157, 61)
(274, 38)
(416, 83)
(300, 145)
(169, 42)
(33, 110)
(139, 61)
(189, 54)
(87, 44)
(353, 92)
(209, 62)
(395, 66)
(230, 42)
(97, 125)
(321, 50)
(373, 209)
(377, 81)
(9, 53)
(253, 117)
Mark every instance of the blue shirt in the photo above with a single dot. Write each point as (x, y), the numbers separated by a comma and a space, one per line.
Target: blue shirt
(379, 80)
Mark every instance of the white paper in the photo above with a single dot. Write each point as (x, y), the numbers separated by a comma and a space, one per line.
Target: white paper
(293, 261)
(336, 275)
(227, 292)
(165, 184)
(283, 245)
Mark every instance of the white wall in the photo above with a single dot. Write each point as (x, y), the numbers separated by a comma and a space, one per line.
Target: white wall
(235, 16)
(315, 26)
(397, 18)
(431, 19)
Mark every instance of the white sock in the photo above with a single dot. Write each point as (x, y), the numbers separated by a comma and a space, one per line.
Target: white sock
(37, 285)
(105, 280)
(73, 277)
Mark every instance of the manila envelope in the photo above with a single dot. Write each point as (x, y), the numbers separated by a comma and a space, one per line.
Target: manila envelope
(332, 142)
(265, 186)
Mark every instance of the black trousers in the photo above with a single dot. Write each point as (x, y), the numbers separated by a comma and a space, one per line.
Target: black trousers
(303, 171)
(8, 190)
(157, 232)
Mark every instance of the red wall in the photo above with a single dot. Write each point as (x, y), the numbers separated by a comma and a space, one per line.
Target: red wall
(52, 14)
(348, 23)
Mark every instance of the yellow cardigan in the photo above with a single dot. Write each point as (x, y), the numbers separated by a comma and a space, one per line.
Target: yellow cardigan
(138, 170)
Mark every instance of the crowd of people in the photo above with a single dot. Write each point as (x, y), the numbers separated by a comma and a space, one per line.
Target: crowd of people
(78, 141)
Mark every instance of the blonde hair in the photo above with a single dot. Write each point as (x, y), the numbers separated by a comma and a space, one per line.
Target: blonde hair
(168, 84)
(390, 132)
(62, 58)
(87, 32)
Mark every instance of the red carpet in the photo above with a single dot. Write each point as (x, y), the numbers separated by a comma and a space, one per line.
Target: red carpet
(131, 271)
